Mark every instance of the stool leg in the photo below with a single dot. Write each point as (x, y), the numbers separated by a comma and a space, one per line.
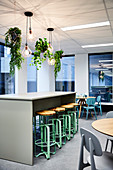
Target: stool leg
(53, 136)
(42, 136)
(60, 134)
(69, 127)
(73, 122)
(64, 129)
(45, 136)
(75, 130)
(56, 127)
(48, 143)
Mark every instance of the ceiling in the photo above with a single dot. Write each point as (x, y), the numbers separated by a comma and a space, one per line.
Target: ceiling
(58, 14)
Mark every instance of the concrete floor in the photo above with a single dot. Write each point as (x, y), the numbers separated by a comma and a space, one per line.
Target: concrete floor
(65, 158)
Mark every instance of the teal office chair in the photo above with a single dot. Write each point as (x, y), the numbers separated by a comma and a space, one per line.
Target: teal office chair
(90, 105)
(97, 158)
(98, 106)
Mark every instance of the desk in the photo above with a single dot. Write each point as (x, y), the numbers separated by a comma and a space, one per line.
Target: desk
(82, 101)
(104, 126)
(16, 121)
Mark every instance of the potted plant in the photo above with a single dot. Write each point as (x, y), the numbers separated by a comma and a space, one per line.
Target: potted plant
(13, 40)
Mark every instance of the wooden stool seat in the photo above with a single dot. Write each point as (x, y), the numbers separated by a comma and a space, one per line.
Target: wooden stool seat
(74, 104)
(46, 113)
(58, 109)
(67, 106)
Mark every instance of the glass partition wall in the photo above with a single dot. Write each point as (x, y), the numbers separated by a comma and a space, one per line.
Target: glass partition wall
(65, 80)
(101, 76)
(7, 82)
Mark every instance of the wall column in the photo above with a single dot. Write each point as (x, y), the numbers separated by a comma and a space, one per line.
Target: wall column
(21, 79)
(45, 78)
(81, 74)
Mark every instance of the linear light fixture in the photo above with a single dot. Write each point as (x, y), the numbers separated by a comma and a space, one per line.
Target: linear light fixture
(107, 65)
(97, 45)
(77, 27)
(101, 69)
(105, 61)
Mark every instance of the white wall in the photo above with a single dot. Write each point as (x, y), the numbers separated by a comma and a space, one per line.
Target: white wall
(45, 78)
(21, 78)
(81, 74)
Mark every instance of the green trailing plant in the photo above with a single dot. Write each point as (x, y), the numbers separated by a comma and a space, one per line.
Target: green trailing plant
(13, 40)
(57, 57)
(42, 46)
(101, 75)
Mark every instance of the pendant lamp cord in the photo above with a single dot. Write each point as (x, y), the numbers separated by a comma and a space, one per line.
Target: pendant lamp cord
(30, 23)
(50, 37)
(26, 29)
(15, 10)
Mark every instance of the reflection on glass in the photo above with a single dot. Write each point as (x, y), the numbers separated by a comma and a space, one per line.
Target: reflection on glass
(65, 80)
(7, 82)
(31, 76)
(100, 76)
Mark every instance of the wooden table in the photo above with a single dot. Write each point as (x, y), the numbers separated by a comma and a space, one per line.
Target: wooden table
(82, 101)
(104, 126)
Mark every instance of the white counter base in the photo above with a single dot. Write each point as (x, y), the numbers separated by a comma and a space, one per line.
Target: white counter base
(16, 122)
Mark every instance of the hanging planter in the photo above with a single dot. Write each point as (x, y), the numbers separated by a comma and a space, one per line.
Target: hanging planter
(41, 47)
(101, 75)
(43, 52)
(57, 57)
(13, 40)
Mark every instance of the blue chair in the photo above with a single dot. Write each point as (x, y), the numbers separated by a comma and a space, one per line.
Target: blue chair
(98, 106)
(90, 105)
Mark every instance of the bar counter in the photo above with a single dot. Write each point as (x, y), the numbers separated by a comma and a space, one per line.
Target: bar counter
(16, 121)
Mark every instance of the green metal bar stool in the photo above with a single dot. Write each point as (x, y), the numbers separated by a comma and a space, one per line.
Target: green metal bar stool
(68, 120)
(74, 116)
(46, 140)
(60, 126)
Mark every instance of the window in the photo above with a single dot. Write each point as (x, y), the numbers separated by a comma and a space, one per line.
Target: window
(7, 82)
(65, 80)
(31, 76)
(100, 76)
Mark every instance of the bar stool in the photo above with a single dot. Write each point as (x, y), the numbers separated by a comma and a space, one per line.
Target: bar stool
(68, 120)
(45, 140)
(59, 125)
(76, 105)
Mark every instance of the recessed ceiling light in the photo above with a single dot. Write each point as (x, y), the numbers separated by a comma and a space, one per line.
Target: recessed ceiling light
(77, 27)
(97, 45)
(105, 61)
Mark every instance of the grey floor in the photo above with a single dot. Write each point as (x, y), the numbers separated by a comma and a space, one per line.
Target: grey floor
(64, 159)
